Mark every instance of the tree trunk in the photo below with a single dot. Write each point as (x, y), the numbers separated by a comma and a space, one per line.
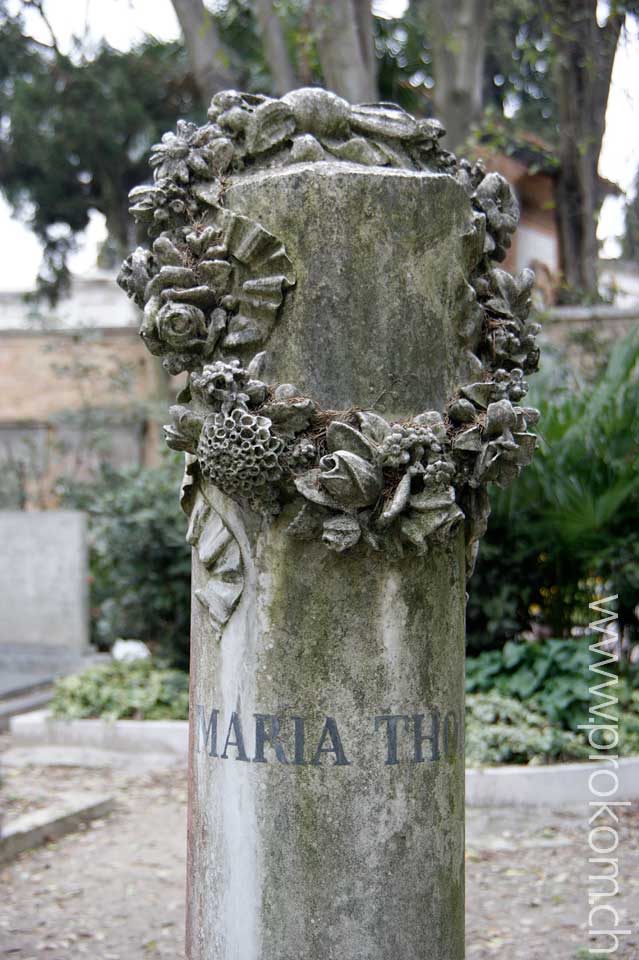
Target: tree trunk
(208, 59)
(282, 71)
(585, 56)
(343, 31)
(364, 21)
(458, 29)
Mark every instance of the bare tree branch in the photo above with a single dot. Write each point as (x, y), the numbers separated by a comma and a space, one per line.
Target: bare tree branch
(38, 6)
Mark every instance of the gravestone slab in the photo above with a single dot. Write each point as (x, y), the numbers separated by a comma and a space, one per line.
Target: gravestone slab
(43, 595)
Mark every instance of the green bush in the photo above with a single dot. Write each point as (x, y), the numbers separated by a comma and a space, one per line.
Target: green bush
(140, 564)
(117, 690)
(502, 730)
(569, 522)
(553, 680)
(554, 675)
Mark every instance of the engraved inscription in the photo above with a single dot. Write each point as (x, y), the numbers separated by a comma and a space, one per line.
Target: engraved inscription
(296, 741)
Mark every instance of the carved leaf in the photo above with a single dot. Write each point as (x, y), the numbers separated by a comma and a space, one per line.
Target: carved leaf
(398, 503)
(384, 120)
(341, 532)
(207, 192)
(469, 441)
(340, 436)
(308, 486)
(418, 527)
(373, 426)
(220, 554)
(359, 150)
(220, 599)
(307, 525)
(256, 366)
(269, 126)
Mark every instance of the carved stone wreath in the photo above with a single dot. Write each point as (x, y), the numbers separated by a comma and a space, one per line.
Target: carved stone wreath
(213, 282)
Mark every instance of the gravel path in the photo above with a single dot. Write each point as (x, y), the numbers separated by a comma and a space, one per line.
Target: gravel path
(115, 890)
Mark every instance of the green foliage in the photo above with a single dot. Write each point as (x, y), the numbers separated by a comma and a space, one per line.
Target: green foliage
(518, 77)
(553, 679)
(75, 132)
(139, 690)
(502, 730)
(569, 523)
(554, 675)
(75, 129)
(140, 564)
(518, 74)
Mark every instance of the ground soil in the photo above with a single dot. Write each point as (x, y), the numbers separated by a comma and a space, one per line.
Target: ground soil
(115, 890)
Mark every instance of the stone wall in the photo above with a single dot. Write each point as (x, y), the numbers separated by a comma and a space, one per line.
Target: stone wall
(584, 336)
(74, 397)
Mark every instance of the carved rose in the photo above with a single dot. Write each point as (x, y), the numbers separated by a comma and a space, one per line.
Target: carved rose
(181, 325)
(352, 481)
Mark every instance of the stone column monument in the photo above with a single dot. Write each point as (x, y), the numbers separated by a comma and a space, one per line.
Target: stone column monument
(327, 275)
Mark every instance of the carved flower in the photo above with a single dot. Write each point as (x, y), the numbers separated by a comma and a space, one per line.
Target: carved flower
(181, 325)
(223, 386)
(352, 481)
(349, 476)
(191, 150)
(495, 198)
(161, 205)
(408, 443)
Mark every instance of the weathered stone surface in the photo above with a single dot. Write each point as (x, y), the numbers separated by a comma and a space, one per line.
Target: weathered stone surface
(343, 855)
(381, 282)
(355, 851)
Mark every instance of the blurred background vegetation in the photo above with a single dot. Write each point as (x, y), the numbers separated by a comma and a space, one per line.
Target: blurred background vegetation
(76, 127)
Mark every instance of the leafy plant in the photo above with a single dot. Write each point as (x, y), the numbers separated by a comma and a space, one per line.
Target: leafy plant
(502, 730)
(572, 514)
(139, 690)
(553, 679)
(553, 675)
(140, 563)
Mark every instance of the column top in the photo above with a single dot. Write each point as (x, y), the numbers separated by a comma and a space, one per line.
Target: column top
(224, 280)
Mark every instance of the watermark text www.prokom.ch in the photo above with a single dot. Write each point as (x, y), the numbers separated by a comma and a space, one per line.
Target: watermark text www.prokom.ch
(603, 736)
